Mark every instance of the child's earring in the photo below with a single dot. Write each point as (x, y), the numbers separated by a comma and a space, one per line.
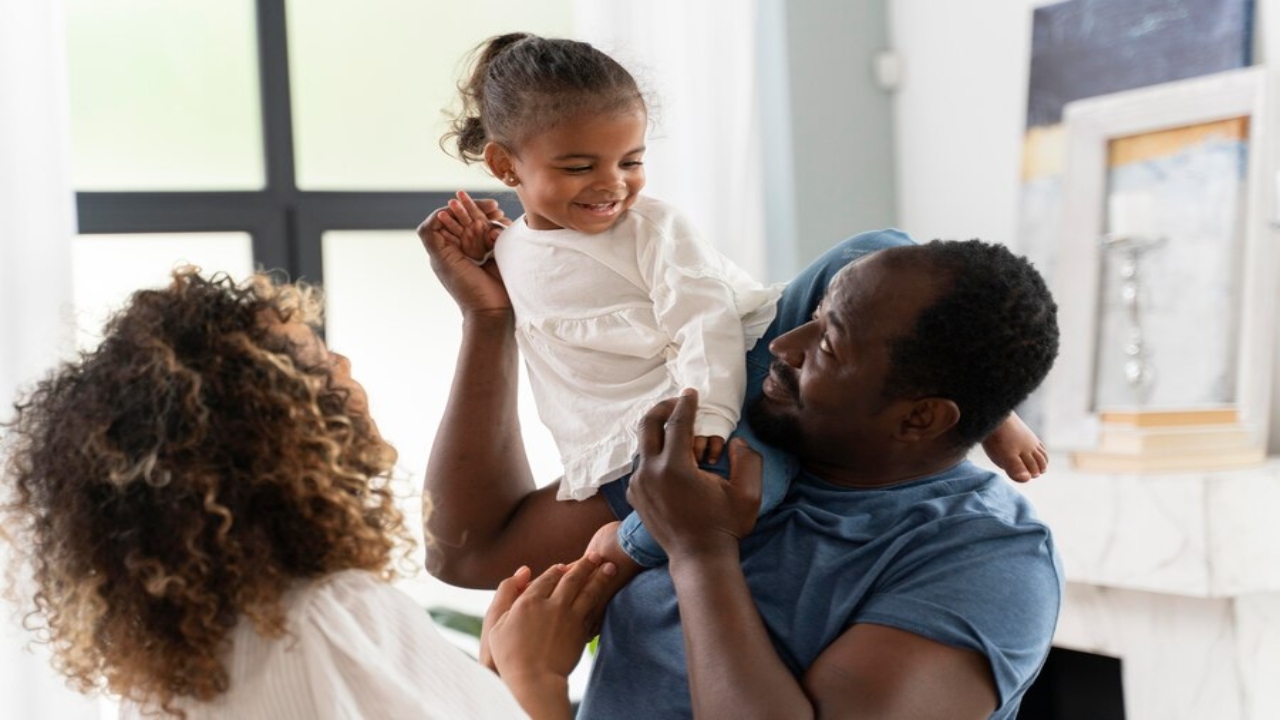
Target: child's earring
(511, 180)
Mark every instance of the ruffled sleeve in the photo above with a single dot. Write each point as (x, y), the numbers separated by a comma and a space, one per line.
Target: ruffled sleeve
(702, 301)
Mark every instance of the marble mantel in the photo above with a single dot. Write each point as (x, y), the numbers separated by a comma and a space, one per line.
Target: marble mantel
(1178, 576)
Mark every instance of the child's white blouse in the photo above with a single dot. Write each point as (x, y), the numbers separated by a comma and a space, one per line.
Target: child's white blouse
(611, 323)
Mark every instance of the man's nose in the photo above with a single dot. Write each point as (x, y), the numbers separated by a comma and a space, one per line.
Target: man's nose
(786, 348)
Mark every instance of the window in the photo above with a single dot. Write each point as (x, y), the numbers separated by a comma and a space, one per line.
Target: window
(279, 119)
(294, 135)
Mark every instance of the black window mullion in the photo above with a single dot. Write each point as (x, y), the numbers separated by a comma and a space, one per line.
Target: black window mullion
(382, 210)
(322, 211)
(143, 212)
(256, 213)
(277, 103)
(277, 139)
(286, 224)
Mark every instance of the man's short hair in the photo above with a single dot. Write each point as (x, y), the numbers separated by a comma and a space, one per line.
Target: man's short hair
(986, 342)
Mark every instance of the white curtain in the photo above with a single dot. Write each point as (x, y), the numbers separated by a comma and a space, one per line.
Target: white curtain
(37, 221)
(698, 60)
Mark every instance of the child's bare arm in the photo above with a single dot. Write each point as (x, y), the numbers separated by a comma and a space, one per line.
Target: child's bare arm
(1016, 450)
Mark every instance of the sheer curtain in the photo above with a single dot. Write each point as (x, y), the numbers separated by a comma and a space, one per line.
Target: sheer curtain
(36, 225)
(698, 61)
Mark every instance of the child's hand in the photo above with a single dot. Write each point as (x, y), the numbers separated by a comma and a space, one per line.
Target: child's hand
(474, 228)
(707, 448)
(477, 287)
(1016, 450)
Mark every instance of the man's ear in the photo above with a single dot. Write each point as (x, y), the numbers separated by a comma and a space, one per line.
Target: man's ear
(928, 418)
(498, 159)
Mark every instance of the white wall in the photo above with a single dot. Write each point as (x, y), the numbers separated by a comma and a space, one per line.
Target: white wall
(36, 200)
(961, 110)
(36, 225)
(841, 122)
(1266, 45)
(960, 114)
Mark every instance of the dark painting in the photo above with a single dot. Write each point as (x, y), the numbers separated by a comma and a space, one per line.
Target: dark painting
(1086, 48)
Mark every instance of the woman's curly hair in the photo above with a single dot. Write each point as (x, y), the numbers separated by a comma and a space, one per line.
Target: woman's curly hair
(185, 474)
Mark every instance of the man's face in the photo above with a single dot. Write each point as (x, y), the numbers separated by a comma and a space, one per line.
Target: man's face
(824, 397)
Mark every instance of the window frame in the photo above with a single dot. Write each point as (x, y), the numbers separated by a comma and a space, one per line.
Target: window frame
(285, 223)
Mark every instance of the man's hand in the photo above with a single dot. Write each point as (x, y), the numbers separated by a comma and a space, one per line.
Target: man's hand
(456, 238)
(689, 510)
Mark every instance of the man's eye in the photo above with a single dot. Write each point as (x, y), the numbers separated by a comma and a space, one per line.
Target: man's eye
(824, 345)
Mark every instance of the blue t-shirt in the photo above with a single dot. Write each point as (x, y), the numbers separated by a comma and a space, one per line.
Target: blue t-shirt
(958, 557)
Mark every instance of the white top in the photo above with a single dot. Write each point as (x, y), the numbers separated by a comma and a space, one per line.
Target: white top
(355, 647)
(611, 323)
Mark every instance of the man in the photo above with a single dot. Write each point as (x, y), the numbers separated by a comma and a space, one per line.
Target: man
(896, 580)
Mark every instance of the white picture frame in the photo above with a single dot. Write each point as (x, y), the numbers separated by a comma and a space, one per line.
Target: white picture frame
(1070, 420)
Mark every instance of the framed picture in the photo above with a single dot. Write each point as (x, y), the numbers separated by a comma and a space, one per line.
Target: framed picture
(1165, 269)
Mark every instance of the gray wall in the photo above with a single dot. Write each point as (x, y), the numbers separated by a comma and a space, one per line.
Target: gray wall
(829, 126)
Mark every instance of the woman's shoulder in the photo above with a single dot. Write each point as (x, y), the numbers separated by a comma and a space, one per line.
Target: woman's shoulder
(358, 595)
(376, 650)
(351, 581)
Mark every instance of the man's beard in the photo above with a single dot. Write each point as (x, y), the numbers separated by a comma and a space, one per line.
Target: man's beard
(780, 431)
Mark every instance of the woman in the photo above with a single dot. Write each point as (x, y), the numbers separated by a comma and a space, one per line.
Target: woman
(203, 504)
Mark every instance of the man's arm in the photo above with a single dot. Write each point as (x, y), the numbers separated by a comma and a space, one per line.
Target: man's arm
(487, 516)
(870, 671)
(699, 519)
(875, 671)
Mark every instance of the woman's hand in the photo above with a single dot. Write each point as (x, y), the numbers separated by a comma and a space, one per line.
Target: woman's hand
(534, 631)
(689, 510)
(541, 626)
(459, 239)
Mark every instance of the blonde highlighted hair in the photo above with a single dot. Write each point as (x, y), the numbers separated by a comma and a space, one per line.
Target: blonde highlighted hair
(184, 474)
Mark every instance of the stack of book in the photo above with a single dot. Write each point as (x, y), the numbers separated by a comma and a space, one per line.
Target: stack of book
(1138, 441)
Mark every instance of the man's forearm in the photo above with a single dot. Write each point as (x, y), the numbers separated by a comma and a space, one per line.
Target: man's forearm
(488, 516)
(734, 670)
(477, 474)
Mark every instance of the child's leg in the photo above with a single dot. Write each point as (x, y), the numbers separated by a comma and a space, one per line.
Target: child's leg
(778, 469)
(1014, 448)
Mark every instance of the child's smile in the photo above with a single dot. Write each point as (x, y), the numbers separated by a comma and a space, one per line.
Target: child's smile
(606, 209)
(582, 174)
